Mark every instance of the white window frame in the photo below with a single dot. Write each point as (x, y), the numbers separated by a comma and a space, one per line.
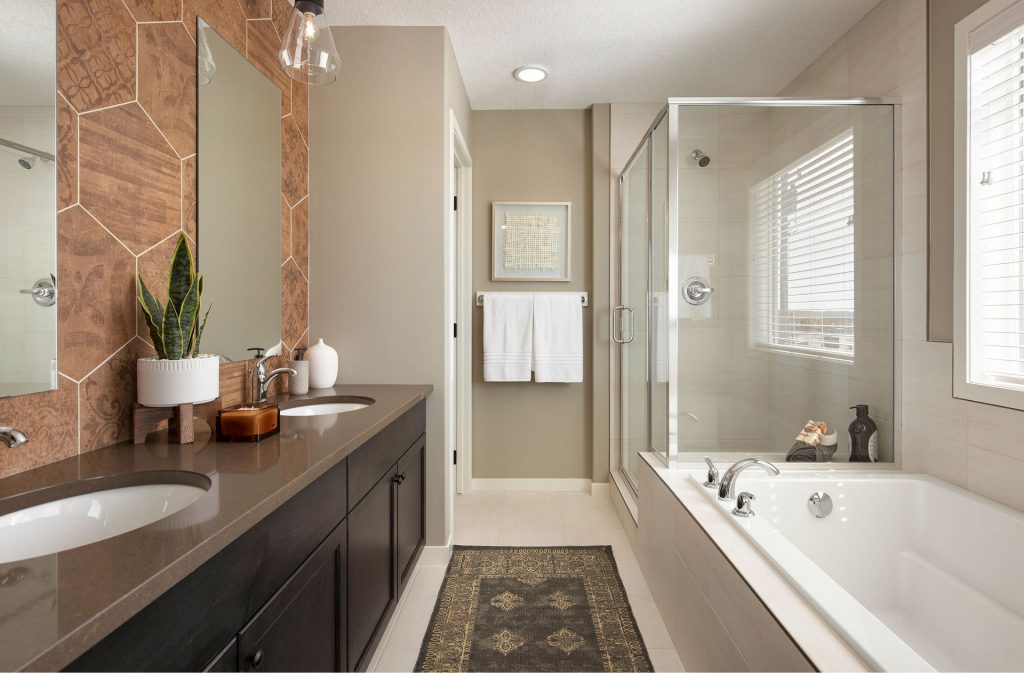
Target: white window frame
(759, 331)
(963, 386)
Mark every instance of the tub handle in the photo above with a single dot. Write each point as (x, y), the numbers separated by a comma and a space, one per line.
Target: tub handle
(743, 503)
(712, 480)
(820, 504)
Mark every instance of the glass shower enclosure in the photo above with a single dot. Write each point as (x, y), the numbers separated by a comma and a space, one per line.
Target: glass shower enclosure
(755, 279)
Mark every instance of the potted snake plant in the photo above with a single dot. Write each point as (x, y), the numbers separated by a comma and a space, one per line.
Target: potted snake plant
(178, 374)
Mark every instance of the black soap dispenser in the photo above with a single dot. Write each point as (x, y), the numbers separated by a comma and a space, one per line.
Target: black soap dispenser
(863, 437)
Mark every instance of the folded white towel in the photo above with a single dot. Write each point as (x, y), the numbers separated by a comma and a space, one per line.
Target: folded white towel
(557, 338)
(508, 336)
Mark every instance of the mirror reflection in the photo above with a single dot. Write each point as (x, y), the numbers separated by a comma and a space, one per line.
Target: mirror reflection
(239, 231)
(28, 211)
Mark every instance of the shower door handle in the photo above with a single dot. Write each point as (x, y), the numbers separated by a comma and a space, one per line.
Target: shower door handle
(618, 310)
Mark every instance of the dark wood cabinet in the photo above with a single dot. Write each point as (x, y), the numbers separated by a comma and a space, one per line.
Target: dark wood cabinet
(372, 590)
(410, 523)
(302, 627)
(308, 588)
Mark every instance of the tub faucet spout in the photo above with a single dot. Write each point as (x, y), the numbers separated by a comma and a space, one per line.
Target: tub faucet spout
(727, 486)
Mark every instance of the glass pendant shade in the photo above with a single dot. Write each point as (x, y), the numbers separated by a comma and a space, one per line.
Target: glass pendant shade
(308, 53)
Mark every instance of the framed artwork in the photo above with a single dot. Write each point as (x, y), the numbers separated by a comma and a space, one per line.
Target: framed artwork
(530, 240)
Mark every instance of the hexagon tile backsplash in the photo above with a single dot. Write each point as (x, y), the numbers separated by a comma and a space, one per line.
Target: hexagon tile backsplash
(126, 116)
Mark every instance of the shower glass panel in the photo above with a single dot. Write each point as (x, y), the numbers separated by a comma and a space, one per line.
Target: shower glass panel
(757, 283)
(631, 315)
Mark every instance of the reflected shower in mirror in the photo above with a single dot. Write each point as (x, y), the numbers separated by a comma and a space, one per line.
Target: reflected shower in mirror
(239, 209)
(28, 195)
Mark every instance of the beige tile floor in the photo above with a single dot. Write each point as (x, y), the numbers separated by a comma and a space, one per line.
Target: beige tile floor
(527, 519)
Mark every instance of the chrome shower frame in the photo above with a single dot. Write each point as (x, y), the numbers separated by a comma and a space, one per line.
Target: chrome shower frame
(671, 109)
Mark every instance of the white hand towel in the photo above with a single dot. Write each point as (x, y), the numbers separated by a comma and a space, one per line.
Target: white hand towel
(508, 336)
(694, 266)
(557, 338)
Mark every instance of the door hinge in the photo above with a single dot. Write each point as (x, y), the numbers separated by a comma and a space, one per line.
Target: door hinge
(455, 330)
(455, 457)
(455, 204)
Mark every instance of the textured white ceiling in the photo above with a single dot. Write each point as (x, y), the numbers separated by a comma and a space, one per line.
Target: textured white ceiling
(600, 51)
(28, 52)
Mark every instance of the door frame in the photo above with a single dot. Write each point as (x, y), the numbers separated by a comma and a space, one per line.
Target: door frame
(458, 287)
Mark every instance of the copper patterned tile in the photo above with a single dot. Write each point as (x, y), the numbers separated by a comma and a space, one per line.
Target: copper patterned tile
(189, 196)
(294, 304)
(50, 420)
(286, 230)
(67, 154)
(96, 53)
(167, 82)
(153, 267)
(96, 277)
(155, 10)
(300, 236)
(130, 177)
(225, 16)
(256, 9)
(263, 43)
(281, 12)
(107, 398)
(294, 162)
(300, 108)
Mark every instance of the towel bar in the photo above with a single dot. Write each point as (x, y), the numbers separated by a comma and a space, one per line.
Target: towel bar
(584, 296)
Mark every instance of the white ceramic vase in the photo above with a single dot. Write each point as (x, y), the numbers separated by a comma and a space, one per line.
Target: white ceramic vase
(323, 365)
(168, 383)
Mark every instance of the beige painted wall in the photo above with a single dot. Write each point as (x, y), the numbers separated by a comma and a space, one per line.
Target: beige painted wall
(532, 430)
(377, 218)
(943, 15)
(600, 293)
(962, 442)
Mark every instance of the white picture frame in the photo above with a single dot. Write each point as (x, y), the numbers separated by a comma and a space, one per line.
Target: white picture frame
(531, 241)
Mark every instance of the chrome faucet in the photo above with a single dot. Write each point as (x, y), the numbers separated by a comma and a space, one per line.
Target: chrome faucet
(263, 377)
(12, 437)
(727, 486)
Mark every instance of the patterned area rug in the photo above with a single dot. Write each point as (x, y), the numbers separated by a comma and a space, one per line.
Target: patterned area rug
(532, 609)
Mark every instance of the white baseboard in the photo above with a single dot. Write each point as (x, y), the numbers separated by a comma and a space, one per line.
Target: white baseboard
(485, 485)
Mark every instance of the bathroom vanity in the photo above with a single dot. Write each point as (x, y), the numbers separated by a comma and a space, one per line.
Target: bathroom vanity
(293, 560)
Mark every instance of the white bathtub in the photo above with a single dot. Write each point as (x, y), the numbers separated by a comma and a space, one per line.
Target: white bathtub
(915, 574)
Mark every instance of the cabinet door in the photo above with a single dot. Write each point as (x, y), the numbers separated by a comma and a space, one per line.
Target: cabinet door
(301, 628)
(409, 514)
(371, 587)
(226, 661)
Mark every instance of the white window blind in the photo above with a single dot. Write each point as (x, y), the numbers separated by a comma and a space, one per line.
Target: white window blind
(995, 217)
(802, 255)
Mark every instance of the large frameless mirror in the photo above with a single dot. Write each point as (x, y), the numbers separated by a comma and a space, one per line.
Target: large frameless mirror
(239, 211)
(28, 196)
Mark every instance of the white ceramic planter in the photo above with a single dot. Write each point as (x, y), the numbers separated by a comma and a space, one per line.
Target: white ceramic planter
(168, 383)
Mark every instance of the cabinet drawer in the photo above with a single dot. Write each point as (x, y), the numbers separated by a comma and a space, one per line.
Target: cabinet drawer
(372, 460)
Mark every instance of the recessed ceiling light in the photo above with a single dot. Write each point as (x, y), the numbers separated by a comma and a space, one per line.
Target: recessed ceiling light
(530, 74)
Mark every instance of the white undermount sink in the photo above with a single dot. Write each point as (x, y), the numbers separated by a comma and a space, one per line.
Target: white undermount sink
(327, 405)
(102, 508)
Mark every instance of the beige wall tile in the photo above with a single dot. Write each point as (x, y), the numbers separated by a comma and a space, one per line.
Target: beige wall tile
(995, 476)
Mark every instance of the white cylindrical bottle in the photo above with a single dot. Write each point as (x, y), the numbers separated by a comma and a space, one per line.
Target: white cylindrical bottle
(323, 365)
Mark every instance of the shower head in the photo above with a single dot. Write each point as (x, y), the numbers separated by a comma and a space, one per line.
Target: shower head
(702, 159)
(28, 163)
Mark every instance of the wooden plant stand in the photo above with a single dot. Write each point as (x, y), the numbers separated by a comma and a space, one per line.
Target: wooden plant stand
(181, 419)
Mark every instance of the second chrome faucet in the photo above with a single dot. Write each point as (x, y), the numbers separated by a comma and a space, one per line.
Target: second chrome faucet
(727, 486)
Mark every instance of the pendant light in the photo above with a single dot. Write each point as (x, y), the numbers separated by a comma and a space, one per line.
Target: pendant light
(308, 54)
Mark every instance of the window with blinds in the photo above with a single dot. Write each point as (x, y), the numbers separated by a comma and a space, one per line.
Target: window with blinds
(801, 255)
(995, 214)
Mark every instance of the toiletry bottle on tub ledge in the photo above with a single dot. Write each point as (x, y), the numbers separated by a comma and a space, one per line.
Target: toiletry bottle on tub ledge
(863, 437)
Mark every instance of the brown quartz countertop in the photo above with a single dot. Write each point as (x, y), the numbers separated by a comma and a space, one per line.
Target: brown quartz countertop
(67, 602)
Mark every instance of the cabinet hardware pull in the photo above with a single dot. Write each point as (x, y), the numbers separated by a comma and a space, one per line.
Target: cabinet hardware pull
(257, 658)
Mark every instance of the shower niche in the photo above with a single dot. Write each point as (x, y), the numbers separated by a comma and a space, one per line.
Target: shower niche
(756, 278)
